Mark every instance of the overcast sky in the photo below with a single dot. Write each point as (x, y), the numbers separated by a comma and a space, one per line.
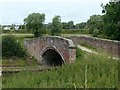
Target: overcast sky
(14, 11)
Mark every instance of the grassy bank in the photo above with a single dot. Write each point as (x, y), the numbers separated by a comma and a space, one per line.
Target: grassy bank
(19, 62)
(89, 71)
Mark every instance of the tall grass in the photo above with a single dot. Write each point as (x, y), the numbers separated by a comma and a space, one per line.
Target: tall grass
(89, 71)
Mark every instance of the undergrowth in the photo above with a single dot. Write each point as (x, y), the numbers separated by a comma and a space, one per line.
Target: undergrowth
(88, 71)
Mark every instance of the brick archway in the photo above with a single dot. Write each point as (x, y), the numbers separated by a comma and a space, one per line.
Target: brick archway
(51, 56)
(62, 47)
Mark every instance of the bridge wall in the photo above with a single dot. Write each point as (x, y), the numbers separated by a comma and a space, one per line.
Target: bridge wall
(37, 46)
(110, 46)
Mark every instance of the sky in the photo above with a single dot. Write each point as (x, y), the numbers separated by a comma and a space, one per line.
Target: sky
(14, 11)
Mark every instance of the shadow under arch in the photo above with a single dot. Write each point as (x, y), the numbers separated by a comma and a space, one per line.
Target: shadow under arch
(52, 57)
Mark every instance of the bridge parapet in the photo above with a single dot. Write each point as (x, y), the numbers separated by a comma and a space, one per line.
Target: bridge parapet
(37, 47)
(111, 46)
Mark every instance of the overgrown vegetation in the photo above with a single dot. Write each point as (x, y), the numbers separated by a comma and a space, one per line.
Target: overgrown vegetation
(12, 48)
(112, 20)
(19, 62)
(79, 53)
(107, 25)
(21, 31)
(77, 31)
(15, 60)
(89, 71)
(85, 44)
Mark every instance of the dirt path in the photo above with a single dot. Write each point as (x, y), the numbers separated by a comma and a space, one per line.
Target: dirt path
(86, 49)
(94, 52)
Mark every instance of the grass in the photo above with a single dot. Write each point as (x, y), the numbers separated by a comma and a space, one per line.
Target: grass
(74, 31)
(89, 71)
(85, 44)
(19, 62)
(21, 31)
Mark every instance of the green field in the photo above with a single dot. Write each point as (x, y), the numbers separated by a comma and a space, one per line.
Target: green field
(88, 71)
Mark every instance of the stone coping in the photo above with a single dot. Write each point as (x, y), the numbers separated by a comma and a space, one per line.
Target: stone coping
(70, 42)
(95, 38)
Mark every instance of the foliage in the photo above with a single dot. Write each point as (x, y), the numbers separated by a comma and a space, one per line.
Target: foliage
(85, 44)
(100, 72)
(95, 23)
(107, 25)
(11, 48)
(96, 33)
(22, 27)
(70, 25)
(35, 22)
(80, 25)
(67, 31)
(65, 25)
(56, 26)
(12, 27)
(79, 53)
(20, 31)
(112, 20)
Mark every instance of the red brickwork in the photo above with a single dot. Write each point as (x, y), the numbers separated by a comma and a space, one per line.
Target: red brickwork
(111, 46)
(37, 46)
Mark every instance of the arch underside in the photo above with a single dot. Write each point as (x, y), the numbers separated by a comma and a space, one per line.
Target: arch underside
(52, 58)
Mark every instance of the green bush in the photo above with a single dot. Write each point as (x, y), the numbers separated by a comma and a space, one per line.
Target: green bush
(11, 48)
(79, 53)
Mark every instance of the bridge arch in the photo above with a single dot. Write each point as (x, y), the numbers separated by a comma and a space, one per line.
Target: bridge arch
(52, 57)
(48, 46)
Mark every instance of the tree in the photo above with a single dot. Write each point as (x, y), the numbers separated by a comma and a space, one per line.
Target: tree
(12, 27)
(22, 27)
(35, 22)
(95, 23)
(71, 25)
(111, 20)
(49, 26)
(56, 26)
(64, 25)
(80, 25)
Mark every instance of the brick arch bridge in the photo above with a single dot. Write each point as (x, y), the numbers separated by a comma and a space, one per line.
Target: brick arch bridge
(51, 50)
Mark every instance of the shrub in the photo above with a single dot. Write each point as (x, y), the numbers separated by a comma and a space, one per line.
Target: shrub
(10, 47)
(79, 53)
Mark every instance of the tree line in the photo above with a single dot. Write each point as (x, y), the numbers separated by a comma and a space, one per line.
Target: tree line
(108, 24)
(35, 23)
(102, 26)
